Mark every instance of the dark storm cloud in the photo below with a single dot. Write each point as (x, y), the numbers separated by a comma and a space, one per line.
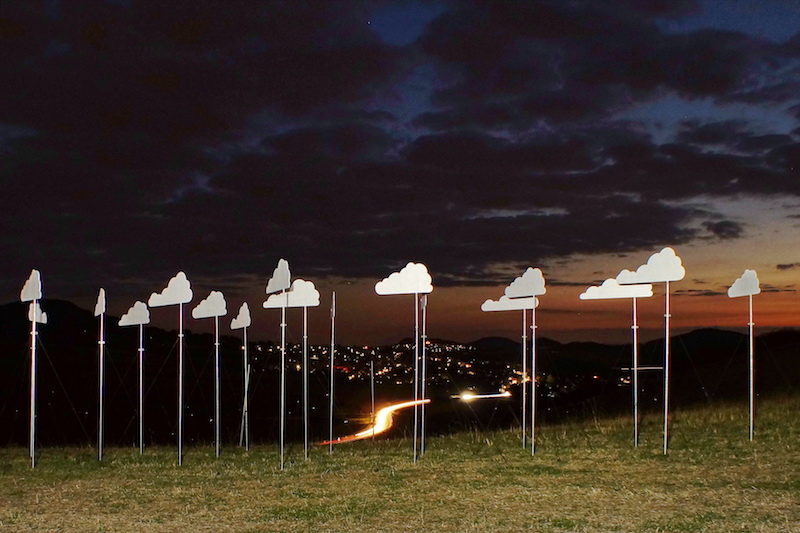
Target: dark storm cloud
(217, 137)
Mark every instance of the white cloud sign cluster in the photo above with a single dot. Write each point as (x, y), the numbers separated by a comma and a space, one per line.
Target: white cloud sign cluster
(661, 267)
(213, 305)
(302, 293)
(611, 289)
(746, 285)
(35, 312)
(242, 319)
(411, 279)
(531, 283)
(177, 291)
(137, 315)
(32, 290)
(100, 306)
(510, 304)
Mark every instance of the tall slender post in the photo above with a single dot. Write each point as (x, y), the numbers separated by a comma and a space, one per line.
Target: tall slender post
(372, 393)
(180, 384)
(141, 389)
(333, 348)
(524, 377)
(283, 375)
(216, 388)
(533, 380)
(101, 388)
(416, 371)
(635, 328)
(750, 325)
(32, 443)
(246, 408)
(305, 380)
(666, 370)
(424, 304)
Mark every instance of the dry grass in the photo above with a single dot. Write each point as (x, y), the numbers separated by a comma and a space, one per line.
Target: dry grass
(585, 477)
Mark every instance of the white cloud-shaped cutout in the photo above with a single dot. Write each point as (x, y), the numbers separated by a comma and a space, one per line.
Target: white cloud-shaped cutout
(35, 310)
(412, 279)
(242, 320)
(510, 304)
(530, 283)
(610, 289)
(213, 305)
(100, 306)
(302, 294)
(745, 285)
(281, 278)
(661, 267)
(32, 290)
(137, 315)
(177, 291)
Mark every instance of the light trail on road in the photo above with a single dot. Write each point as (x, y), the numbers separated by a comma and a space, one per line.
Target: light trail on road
(383, 421)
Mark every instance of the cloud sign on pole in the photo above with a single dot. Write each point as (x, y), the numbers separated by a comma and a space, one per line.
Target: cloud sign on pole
(301, 294)
(531, 283)
(242, 319)
(510, 304)
(32, 290)
(35, 313)
(281, 278)
(611, 289)
(178, 291)
(662, 267)
(412, 279)
(100, 306)
(746, 285)
(213, 305)
(137, 315)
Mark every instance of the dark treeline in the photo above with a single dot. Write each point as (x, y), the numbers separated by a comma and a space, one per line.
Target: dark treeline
(575, 380)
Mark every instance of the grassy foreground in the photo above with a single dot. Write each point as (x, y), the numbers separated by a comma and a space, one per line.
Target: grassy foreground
(584, 477)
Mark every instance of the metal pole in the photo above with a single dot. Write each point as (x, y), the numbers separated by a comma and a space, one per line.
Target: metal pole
(32, 443)
(666, 370)
(246, 395)
(524, 377)
(305, 380)
(101, 368)
(283, 375)
(533, 380)
(750, 325)
(180, 385)
(216, 388)
(635, 328)
(141, 389)
(416, 371)
(333, 330)
(424, 304)
(372, 393)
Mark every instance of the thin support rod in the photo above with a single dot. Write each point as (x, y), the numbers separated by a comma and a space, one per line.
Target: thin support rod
(524, 377)
(246, 408)
(533, 380)
(635, 329)
(667, 316)
(141, 389)
(424, 371)
(180, 384)
(372, 393)
(101, 387)
(416, 371)
(216, 389)
(750, 325)
(283, 376)
(332, 353)
(32, 443)
(305, 381)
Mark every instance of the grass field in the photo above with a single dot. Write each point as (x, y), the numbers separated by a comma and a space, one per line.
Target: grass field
(584, 477)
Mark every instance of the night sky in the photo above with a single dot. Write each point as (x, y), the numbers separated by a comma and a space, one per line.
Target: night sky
(138, 139)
